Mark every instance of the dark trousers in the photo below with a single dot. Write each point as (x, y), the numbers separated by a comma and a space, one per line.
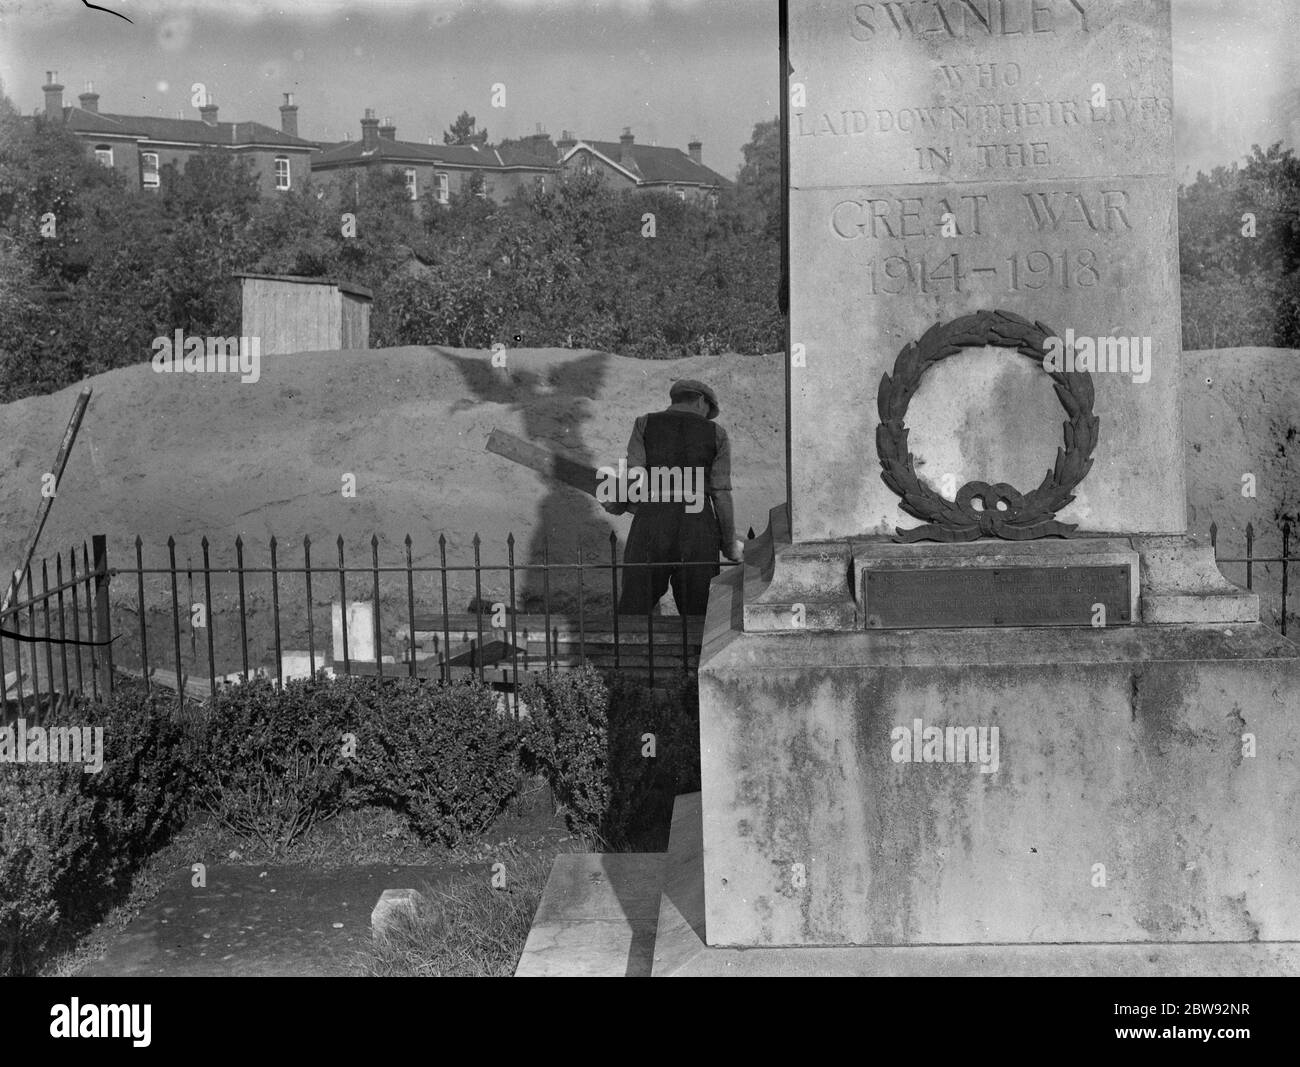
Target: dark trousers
(668, 533)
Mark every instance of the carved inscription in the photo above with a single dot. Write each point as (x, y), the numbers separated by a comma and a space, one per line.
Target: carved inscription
(968, 18)
(890, 220)
(980, 119)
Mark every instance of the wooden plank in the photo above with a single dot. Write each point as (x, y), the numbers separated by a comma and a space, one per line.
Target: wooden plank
(43, 510)
(555, 465)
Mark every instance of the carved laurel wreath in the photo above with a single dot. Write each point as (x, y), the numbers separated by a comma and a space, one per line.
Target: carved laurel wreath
(1005, 513)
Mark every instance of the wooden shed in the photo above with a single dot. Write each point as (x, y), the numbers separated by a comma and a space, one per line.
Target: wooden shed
(293, 314)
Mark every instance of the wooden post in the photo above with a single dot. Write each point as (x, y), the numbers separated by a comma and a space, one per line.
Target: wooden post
(43, 510)
(103, 619)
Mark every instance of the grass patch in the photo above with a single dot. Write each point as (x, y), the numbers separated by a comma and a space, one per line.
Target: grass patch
(468, 929)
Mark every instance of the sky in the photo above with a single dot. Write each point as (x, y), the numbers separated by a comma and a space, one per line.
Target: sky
(671, 70)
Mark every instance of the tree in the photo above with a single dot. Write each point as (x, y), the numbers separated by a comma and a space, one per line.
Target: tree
(463, 131)
(757, 195)
(537, 145)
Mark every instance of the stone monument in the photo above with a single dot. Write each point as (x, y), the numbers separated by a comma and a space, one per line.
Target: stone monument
(977, 702)
(977, 685)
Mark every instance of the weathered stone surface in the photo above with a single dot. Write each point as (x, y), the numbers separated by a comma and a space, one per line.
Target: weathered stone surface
(680, 949)
(947, 157)
(1114, 747)
(1183, 584)
(1121, 747)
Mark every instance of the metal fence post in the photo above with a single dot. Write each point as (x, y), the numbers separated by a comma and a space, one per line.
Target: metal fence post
(103, 617)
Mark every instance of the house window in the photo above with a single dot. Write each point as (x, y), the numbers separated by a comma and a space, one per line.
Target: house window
(679, 193)
(282, 172)
(540, 182)
(149, 170)
(104, 155)
(584, 164)
(443, 185)
(410, 183)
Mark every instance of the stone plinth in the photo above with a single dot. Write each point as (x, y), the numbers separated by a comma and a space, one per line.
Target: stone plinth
(1118, 800)
(680, 949)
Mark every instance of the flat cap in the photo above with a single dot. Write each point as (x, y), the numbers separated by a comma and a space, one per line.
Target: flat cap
(689, 385)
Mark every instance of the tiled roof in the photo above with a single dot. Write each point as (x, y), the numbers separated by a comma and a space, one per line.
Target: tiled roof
(414, 152)
(90, 122)
(659, 164)
(514, 156)
(185, 131)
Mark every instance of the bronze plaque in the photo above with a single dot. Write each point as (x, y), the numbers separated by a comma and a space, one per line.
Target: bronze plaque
(996, 596)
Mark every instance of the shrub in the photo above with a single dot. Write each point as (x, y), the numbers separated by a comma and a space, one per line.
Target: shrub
(272, 764)
(565, 738)
(70, 840)
(590, 740)
(143, 793)
(442, 755)
(49, 853)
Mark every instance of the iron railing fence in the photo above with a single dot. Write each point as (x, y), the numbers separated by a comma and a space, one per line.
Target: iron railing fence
(534, 617)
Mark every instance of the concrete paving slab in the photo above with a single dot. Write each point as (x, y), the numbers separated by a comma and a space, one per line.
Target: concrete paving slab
(596, 918)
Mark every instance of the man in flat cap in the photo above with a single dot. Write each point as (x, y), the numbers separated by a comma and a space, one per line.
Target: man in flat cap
(690, 527)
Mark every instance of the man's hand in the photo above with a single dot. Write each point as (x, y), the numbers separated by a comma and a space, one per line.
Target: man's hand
(735, 551)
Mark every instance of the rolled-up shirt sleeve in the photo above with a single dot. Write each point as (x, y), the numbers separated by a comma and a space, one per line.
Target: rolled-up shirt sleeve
(720, 488)
(636, 444)
(720, 474)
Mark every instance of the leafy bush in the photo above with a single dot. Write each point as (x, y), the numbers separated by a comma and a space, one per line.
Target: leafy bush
(70, 840)
(272, 760)
(615, 755)
(49, 855)
(565, 737)
(442, 755)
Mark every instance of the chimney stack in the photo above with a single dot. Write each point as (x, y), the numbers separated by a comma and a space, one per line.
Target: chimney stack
(208, 112)
(289, 116)
(90, 99)
(53, 95)
(388, 131)
(566, 141)
(370, 131)
(626, 140)
(696, 151)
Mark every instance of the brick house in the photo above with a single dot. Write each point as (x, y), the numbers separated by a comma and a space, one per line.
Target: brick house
(140, 146)
(628, 165)
(436, 169)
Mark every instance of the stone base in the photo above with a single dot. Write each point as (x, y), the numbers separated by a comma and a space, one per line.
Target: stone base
(681, 951)
(598, 918)
(820, 583)
(1144, 787)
